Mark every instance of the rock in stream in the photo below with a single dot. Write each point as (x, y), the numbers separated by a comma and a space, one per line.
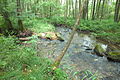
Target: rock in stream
(78, 61)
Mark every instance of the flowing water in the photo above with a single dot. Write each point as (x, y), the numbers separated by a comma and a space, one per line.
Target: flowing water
(78, 61)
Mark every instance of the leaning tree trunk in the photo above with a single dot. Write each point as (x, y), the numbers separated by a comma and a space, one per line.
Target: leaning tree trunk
(19, 11)
(55, 65)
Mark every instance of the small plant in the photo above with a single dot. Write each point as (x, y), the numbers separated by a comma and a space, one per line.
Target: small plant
(39, 26)
(105, 29)
(86, 75)
(21, 63)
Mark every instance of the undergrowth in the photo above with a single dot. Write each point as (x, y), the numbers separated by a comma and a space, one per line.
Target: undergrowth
(38, 26)
(21, 63)
(105, 29)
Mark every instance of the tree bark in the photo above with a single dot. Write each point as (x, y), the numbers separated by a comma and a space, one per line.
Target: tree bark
(7, 21)
(102, 12)
(117, 11)
(66, 10)
(93, 12)
(19, 10)
(5, 15)
(85, 10)
(73, 10)
(98, 8)
(55, 65)
(76, 9)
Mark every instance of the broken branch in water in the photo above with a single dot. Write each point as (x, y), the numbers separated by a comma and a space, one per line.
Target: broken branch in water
(56, 64)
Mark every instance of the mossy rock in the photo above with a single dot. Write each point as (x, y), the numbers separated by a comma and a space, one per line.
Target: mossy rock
(114, 56)
(99, 50)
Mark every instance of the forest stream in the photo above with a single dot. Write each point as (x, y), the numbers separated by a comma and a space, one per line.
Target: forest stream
(78, 61)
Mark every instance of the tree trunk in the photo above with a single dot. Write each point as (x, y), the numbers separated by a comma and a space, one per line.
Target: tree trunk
(20, 24)
(7, 21)
(85, 10)
(76, 6)
(69, 13)
(5, 15)
(98, 8)
(79, 5)
(66, 10)
(102, 12)
(93, 12)
(59, 58)
(73, 10)
(117, 11)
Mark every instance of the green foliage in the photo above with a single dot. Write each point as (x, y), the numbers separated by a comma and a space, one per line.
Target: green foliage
(60, 75)
(2, 22)
(89, 74)
(86, 75)
(106, 29)
(57, 20)
(61, 20)
(13, 57)
(39, 26)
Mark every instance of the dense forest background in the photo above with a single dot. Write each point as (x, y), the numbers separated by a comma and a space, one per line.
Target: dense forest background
(24, 18)
(18, 10)
(18, 14)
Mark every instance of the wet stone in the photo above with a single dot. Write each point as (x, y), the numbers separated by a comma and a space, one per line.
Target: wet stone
(78, 57)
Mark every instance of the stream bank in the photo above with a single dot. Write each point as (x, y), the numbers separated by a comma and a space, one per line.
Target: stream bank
(78, 59)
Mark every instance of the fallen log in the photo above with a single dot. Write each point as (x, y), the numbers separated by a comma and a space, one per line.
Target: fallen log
(24, 39)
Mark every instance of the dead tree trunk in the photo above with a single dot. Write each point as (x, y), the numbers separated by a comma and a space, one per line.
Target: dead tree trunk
(55, 65)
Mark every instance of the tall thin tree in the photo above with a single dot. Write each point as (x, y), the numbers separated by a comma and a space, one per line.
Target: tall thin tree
(19, 11)
(117, 11)
(93, 10)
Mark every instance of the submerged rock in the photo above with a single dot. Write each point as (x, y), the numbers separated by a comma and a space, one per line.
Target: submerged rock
(100, 50)
(114, 56)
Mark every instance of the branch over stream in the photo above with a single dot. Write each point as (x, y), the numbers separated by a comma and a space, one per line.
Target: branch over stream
(56, 64)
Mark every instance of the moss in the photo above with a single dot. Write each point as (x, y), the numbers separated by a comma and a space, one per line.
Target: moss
(99, 50)
(114, 55)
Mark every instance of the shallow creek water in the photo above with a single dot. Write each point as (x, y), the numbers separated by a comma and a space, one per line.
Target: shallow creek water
(78, 61)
